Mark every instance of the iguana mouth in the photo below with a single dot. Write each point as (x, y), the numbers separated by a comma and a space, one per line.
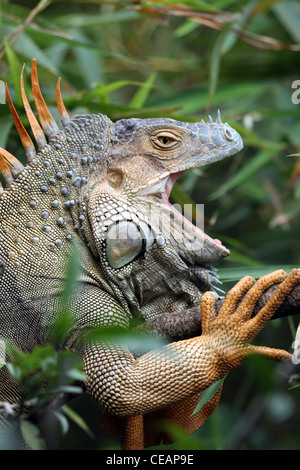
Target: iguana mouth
(213, 245)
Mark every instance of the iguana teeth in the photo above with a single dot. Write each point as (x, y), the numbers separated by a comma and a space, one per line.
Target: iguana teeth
(49, 125)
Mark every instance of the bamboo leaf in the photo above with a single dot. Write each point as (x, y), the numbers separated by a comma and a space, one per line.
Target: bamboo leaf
(79, 20)
(31, 435)
(261, 159)
(140, 97)
(288, 13)
(77, 419)
(207, 394)
(15, 68)
(234, 274)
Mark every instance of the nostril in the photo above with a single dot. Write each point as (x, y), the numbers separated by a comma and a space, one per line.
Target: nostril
(228, 135)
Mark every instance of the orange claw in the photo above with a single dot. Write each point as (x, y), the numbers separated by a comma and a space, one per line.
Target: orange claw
(35, 127)
(24, 136)
(231, 331)
(49, 125)
(64, 116)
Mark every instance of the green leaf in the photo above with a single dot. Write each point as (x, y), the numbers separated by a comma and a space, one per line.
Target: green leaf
(248, 169)
(31, 435)
(75, 374)
(26, 47)
(98, 20)
(88, 61)
(71, 276)
(140, 97)
(4, 133)
(207, 394)
(77, 419)
(235, 274)
(288, 13)
(15, 70)
(72, 389)
(198, 5)
(62, 421)
(216, 55)
(187, 27)
(15, 371)
(134, 340)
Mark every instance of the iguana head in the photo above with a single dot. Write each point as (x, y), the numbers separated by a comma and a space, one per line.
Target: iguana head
(145, 158)
(150, 153)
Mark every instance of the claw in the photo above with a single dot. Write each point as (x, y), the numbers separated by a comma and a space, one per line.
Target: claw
(49, 125)
(287, 283)
(207, 311)
(234, 295)
(64, 116)
(24, 136)
(253, 295)
(268, 353)
(35, 127)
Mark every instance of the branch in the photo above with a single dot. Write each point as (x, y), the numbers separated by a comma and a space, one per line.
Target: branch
(19, 30)
(187, 324)
(217, 20)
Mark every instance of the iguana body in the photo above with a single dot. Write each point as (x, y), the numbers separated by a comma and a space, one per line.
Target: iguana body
(103, 187)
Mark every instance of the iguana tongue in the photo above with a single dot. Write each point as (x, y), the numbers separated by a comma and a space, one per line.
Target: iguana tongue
(170, 182)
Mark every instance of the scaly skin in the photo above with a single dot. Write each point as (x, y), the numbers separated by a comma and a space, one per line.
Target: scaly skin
(103, 188)
(189, 366)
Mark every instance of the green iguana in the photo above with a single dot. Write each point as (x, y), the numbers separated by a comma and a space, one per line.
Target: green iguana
(104, 188)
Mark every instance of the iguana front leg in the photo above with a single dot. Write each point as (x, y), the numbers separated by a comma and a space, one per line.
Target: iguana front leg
(126, 386)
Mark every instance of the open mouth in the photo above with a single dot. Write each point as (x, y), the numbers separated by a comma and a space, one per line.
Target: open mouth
(212, 249)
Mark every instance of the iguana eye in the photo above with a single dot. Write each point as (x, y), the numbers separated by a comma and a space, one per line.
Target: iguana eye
(165, 140)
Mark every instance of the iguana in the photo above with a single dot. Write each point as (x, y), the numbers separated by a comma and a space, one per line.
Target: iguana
(104, 188)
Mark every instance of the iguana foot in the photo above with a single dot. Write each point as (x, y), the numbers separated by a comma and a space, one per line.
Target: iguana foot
(234, 327)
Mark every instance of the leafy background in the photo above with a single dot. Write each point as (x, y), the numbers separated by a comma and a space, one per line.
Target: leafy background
(128, 58)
